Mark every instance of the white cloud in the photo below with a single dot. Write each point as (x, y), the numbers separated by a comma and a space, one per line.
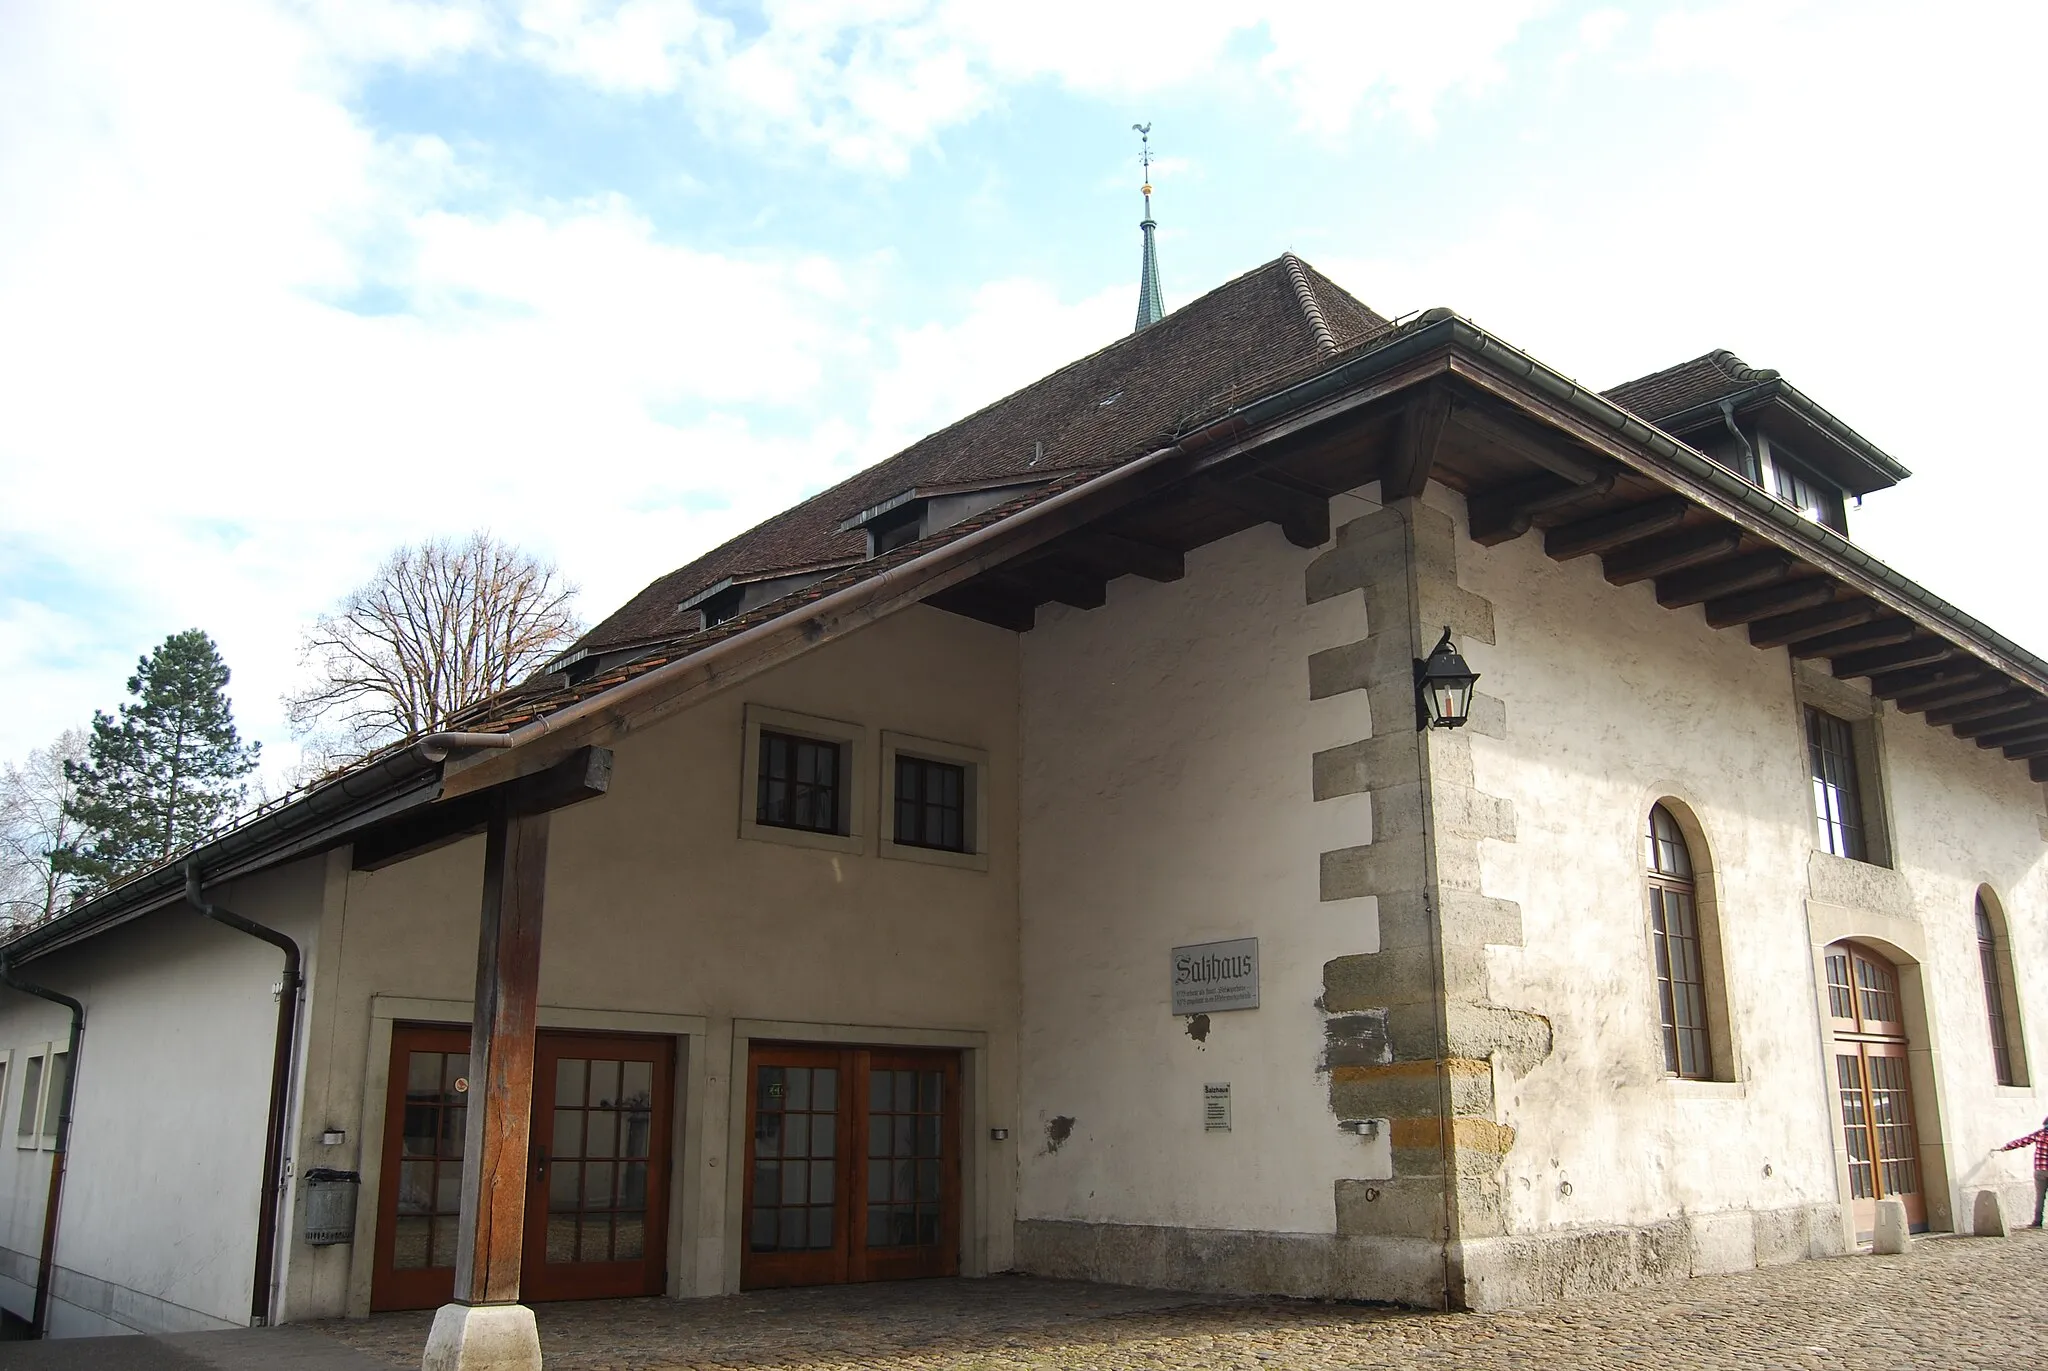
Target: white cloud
(874, 81)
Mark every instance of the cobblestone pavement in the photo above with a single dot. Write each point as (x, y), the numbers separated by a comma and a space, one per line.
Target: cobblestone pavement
(1951, 1303)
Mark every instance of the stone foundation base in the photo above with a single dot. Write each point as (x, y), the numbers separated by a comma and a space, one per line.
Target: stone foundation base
(1235, 1261)
(1484, 1273)
(482, 1337)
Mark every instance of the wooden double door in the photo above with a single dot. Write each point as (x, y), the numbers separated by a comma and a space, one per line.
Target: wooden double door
(853, 1165)
(598, 1161)
(1873, 1085)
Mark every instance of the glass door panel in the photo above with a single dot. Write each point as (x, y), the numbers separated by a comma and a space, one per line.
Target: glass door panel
(594, 1214)
(853, 1167)
(425, 1118)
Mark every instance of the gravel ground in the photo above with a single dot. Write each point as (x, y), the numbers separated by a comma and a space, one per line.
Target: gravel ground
(1952, 1303)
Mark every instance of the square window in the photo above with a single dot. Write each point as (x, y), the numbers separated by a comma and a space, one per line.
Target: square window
(803, 781)
(931, 804)
(53, 1107)
(800, 783)
(934, 802)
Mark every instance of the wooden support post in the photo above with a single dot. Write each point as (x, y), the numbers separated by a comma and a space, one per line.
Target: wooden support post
(1422, 428)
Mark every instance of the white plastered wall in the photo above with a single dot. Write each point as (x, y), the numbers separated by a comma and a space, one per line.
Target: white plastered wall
(158, 1227)
(656, 906)
(1614, 702)
(1166, 800)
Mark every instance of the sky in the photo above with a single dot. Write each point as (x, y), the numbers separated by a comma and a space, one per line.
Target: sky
(285, 284)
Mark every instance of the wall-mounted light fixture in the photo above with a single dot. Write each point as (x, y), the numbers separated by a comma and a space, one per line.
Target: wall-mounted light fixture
(1443, 688)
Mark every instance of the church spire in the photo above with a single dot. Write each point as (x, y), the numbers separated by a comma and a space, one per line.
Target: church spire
(1149, 307)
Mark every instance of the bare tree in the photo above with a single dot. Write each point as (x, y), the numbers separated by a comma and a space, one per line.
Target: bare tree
(441, 626)
(34, 826)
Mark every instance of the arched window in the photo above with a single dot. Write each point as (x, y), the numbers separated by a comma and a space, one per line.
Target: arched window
(1994, 956)
(1680, 957)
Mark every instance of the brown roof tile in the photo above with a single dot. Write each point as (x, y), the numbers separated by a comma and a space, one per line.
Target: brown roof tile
(1110, 406)
(1676, 389)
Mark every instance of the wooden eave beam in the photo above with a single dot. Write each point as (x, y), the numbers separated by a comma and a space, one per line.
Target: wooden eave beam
(1303, 516)
(1747, 608)
(1507, 511)
(1915, 680)
(2037, 770)
(1126, 555)
(990, 605)
(1070, 587)
(1407, 470)
(583, 775)
(2025, 716)
(1600, 532)
(1917, 652)
(2030, 752)
(1878, 633)
(1653, 556)
(1523, 440)
(1998, 697)
(2016, 737)
(1722, 578)
(1780, 629)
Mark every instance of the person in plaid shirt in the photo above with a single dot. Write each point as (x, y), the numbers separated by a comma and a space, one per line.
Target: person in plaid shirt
(2039, 1138)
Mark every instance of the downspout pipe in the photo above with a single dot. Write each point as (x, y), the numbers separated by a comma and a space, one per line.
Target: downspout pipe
(46, 1261)
(280, 1088)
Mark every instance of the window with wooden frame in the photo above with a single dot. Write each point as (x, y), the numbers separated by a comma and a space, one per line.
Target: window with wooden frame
(934, 802)
(2001, 1000)
(802, 782)
(53, 1095)
(1679, 950)
(27, 1120)
(1837, 786)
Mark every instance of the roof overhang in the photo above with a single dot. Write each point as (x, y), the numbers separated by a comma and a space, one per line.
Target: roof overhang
(1785, 414)
(1439, 398)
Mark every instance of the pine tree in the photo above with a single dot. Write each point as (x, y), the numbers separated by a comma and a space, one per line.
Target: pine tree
(164, 773)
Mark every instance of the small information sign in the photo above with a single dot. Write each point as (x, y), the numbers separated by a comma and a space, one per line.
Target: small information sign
(1209, 977)
(1216, 1107)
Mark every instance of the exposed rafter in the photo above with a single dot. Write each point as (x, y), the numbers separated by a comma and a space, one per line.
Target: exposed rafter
(1506, 512)
(1917, 652)
(1599, 532)
(1722, 578)
(1877, 633)
(1303, 516)
(1641, 560)
(1781, 629)
(1747, 608)
(1997, 698)
(1546, 450)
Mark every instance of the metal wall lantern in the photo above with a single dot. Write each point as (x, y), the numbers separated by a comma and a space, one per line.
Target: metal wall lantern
(1443, 688)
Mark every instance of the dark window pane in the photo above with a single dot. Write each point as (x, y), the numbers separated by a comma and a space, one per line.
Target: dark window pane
(931, 799)
(763, 1237)
(769, 1087)
(1837, 797)
(604, 1083)
(799, 784)
(825, 1088)
(821, 1228)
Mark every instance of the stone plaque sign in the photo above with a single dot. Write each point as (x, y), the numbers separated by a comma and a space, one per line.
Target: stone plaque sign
(1216, 1107)
(1209, 977)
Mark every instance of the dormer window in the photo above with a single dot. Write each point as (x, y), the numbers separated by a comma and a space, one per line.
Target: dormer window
(924, 510)
(1795, 484)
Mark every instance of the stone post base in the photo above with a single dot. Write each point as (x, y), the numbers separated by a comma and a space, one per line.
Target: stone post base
(1987, 1216)
(482, 1337)
(1893, 1232)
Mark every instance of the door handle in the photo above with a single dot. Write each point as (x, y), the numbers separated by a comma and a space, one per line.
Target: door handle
(540, 1161)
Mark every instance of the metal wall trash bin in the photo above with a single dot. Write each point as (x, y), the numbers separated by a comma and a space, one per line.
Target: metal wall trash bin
(330, 1206)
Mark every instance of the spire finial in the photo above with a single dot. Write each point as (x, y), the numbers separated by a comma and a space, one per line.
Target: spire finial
(1150, 309)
